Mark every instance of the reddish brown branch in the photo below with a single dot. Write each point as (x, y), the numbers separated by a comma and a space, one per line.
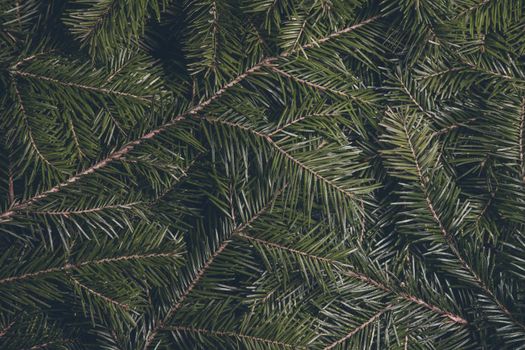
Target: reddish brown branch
(345, 268)
(358, 329)
(234, 335)
(68, 267)
(200, 273)
(116, 155)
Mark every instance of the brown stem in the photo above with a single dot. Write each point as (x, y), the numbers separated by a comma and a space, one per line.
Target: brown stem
(200, 273)
(6, 328)
(287, 155)
(234, 335)
(79, 86)
(99, 295)
(358, 329)
(116, 155)
(361, 277)
(68, 267)
(423, 182)
(87, 211)
(521, 135)
(11, 189)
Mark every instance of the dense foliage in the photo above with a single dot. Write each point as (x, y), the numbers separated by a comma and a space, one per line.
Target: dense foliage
(262, 174)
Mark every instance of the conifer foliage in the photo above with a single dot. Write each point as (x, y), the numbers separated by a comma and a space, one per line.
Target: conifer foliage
(262, 174)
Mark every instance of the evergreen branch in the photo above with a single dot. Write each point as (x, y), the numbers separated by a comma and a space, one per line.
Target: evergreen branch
(116, 155)
(69, 267)
(100, 20)
(302, 29)
(358, 329)
(214, 33)
(198, 276)
(26, 122)
(451, 316)
(92, 169)
(7, 328)
(297, 120)
(361, 277)
(28, 58)
(308, 169)
(51, 343)
(412, 97)
(286, 154)
(307, 83)
(18, 15)
(472, 8)
(79, 86)
(339, 33)
(521, 138)
(68, 213)
(233, 335)
(75, 138)
(291, 250)
(185, 173)
(442, 72)
(487, 205)
(297, 102)
(424, 183)
(11, 182)
(452, 127)
(99, 295)
(200, 273)
(477, 68)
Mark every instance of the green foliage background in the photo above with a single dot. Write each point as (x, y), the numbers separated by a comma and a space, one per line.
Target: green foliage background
(262, 174)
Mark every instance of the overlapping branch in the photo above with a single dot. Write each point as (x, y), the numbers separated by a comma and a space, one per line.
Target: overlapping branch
(118, 154)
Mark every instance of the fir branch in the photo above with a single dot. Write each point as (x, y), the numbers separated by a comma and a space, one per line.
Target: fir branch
(116, 155)
(11, 182)
(51, 343)
(454, 126)
(15, 66)
(472, 8)
(308, 83)
(7, 328)
(372, 319)
(284, 126)
(200, 273)
(334, 35)
(424, 184)
(449, 188)
(521, 136)
(104, 16)
(286, 154)
(291, 250)
(308, 169)
(77, 266)
(25, 118)
(363, 278)
(96, 89)
(215, 34)
(67, 213)
(413, 98)
(99, 295)
(81, 154)
(441, 72)
(218, 333)
(198, 276)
